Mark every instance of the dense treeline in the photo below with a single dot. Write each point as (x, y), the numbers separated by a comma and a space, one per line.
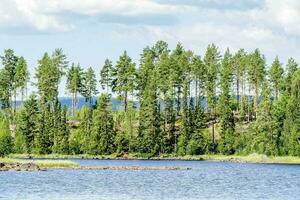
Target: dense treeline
(187, 104)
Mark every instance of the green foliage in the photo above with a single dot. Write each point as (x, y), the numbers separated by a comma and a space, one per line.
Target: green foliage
(28, 123)
(275, 74)
(102, 136)
(124, 77)
(106, 75)
(89, 85)
(5, 138)
(175, 103)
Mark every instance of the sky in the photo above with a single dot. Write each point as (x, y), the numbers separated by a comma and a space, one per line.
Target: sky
(89, 31)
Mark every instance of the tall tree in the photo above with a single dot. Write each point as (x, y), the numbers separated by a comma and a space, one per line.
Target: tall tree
(22, 76)
(124, 73)
(9, 61)
(149, 116)
(89, 85)
(239, 63)
(28, 123)
(227, 125)
(106, 75)
(256, 74)
(102, 138)
(212, 63)
(74, 84)
(48, 76)
(275, 74)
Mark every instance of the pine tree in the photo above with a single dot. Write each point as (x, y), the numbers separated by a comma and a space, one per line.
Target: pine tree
(275, 74)
(4, 89)
(239, 66)
(291, 67)
(9, 61)
(256, 74)
(89, 85)
(149, 131)
(292, 122)
(48, 77)
(124, 77)
(211, 61)
(22, 76)
(74, 84)
(106, 75)
(227, 124)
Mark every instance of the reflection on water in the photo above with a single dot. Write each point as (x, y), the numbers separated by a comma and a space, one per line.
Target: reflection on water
(206, 180)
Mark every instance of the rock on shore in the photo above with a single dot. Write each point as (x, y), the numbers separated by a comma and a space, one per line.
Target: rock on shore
(19, 167)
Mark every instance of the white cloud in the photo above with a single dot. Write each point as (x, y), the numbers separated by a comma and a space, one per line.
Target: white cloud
(48, 15)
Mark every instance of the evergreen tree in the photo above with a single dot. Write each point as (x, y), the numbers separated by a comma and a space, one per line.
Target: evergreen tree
(28, 123)
(60, 130)
(47, 75)
(102, 138)
(4, 89)
(211, 61)
(9, 62)
(74, 84)
(5, 138)
(44, 137)
(149, 131)
(22, 76)
(89, 85)
(227, 124)
(106, 75)
(124, 77)
(292, 122)
(256, 74)
(275, 74)
(291, 67)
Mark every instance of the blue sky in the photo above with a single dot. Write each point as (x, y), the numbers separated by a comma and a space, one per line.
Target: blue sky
(91, 30)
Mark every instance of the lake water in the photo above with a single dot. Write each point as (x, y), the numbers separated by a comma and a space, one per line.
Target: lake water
(206, 180)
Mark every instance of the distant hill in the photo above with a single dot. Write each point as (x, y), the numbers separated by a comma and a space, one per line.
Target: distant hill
(81, 102)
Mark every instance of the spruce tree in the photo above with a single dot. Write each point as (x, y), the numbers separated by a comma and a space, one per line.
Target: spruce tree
(102, 138)
(5, 138)
(28, 123)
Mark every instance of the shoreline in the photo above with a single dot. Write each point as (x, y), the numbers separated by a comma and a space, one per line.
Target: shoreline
(252, 158)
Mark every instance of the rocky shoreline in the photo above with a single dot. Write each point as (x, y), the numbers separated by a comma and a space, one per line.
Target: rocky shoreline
(19, 167)
(35, 167)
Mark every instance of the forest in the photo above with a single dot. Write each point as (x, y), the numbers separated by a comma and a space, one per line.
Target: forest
(173, 101)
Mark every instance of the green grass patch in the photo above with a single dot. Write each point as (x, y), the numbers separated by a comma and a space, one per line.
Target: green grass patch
(48, 164)
(252, 158)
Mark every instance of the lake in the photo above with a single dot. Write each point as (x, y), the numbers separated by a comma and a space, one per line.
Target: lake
(206, 180)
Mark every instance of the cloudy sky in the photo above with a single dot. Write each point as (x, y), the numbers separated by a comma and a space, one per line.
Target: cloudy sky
(91, 30)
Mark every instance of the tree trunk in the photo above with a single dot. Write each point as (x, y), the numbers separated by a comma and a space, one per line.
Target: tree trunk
(125, 100)
(238, 92)
(196, 94)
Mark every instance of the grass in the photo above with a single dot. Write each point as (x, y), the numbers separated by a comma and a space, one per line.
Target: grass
(45, 164)
(252, 158)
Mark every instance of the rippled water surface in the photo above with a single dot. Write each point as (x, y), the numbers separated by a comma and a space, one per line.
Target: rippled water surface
(206, 180)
